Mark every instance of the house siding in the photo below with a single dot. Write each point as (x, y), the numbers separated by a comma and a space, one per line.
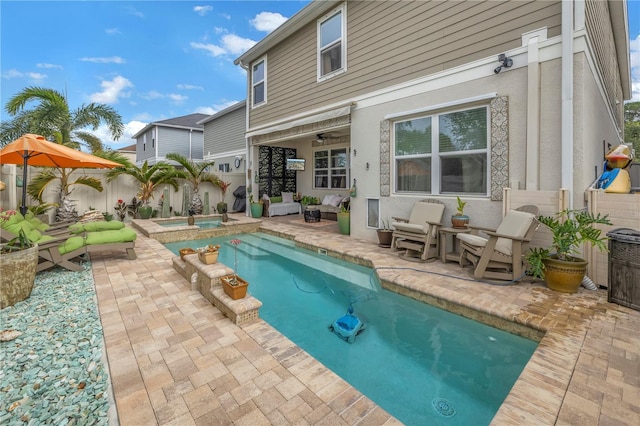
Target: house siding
(225, 134)
(600, 34)
(393, 42)
(145, 152)
(177, 140)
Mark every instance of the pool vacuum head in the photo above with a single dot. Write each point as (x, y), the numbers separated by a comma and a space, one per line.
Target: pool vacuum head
(348, 326)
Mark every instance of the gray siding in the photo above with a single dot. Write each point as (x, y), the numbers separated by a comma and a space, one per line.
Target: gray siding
(225, 133)
(600, 33)
(390, 42)
(145, 152)
(177, 140)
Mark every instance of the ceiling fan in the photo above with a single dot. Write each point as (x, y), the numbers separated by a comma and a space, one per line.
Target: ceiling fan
(321, 137)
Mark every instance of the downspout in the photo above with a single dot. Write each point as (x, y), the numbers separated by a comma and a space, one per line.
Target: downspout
(566, 153)
(190, 144)
(248, 163)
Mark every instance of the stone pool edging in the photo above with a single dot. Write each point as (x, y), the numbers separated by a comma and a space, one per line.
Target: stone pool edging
(206, 280)
(151, 228)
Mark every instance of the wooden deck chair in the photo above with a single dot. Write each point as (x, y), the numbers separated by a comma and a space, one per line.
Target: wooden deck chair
(499, 256)
(419, 233)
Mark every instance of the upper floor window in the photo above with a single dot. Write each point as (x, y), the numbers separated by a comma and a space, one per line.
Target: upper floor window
(259, 82)
(443, 153)
(332, 45)
(330, 168)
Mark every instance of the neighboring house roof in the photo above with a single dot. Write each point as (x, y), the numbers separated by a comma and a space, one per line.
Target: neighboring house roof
(225, 111)
(128, 148)
(185, 122)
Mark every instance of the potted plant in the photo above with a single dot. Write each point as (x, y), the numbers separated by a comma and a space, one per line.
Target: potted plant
(256, 207)
(234, 286)
(344, 219)
(209, 254)
(460, 220)
(308, 200)
(222, 205)
(385, 234)
(561, 270)
(18, 265)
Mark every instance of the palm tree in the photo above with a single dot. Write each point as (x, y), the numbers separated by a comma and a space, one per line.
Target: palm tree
(148, 177)
(52, 118)
(195, 173)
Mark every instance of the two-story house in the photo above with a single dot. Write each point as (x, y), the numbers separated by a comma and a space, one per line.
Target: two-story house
(440, 99)
(182, 135)
(224, 140)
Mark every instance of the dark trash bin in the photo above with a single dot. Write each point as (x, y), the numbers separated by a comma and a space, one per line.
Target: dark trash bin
(624, 267)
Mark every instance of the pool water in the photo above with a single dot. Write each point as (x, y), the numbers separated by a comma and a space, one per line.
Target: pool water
(203, 224)
(421, 364)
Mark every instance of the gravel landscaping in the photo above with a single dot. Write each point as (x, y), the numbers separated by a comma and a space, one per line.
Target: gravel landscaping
(54, 371)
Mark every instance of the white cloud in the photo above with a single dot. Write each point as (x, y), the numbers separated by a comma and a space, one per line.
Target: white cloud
(176, 98)
(130, 129)
(135, 12)
(202, 10)
(104, 60)
(112, 91)
(219, 30)
(112, 31)
(189, 87)
(152, 94)
(36, 76)
(237, 45)
(210, 110)
(45, 65)
(143, 116)
(205, 110)
(12, 73)
(211, 48)
(226, 16)
(634, 47)
(267, 21)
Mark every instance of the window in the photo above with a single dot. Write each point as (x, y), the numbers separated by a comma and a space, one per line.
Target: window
(259, 82)
(332, 44)
(443, 153)
(330, 169)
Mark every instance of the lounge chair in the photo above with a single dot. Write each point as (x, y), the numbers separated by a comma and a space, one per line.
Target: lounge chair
(419, 233)
(500, 254)
(59, 251)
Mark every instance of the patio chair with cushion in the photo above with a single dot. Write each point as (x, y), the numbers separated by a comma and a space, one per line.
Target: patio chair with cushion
(500, 254)
(419, 233)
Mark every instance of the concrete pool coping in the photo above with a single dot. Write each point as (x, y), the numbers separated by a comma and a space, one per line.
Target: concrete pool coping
(585, 370)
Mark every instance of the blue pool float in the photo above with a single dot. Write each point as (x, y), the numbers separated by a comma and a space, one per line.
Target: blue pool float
(348, 326)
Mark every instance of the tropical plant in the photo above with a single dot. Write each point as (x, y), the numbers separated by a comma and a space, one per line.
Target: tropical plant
(52, 118)
(460, 206)
(149, 178)
(195, 174)
(570, 229)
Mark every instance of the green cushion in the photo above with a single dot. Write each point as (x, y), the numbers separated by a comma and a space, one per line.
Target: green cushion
(16, 218)
(111, 236)
(29, 215)
(38, 224)
(103, 225)
(76, 228)
(277, 199)
(45, 238)
(71, 244)
(34, 235)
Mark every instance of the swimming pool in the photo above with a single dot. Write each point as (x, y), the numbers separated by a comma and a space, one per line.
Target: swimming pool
(421, 364)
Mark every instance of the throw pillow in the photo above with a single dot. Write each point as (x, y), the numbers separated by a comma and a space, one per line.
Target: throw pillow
(287, 197)
(336, 200)
(265, 197)
(327, 200)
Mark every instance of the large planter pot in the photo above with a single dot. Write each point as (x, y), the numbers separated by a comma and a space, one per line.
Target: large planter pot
(344, 223)
(145, 212)
(385, 237)
(221, 207)
(17, 275)
(256, 210)
(459, 221)
(564, 276)
(208, 257)
(234, 286)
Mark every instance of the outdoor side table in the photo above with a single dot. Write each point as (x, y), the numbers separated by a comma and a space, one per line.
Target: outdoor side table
(454, 254)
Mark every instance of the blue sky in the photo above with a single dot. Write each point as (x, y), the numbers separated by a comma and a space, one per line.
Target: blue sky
(150, 60)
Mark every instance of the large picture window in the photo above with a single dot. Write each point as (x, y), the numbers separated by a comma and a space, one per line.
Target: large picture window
(259, 82)
(330, 169)
(443, 153)
(331, 44)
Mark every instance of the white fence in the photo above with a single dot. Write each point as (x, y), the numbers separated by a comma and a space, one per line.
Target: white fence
(124, 187)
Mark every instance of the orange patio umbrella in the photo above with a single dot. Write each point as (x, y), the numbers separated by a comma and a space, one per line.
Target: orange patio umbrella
(35, 150)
